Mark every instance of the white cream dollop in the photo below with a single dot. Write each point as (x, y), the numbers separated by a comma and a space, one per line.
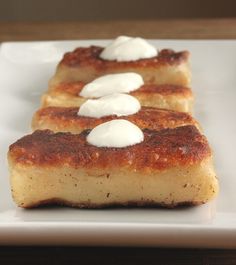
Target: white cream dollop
(115, 133)
(125, 48)
(113, 83)
(115, 104)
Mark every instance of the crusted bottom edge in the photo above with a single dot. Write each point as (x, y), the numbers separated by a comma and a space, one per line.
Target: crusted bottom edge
(128, 204)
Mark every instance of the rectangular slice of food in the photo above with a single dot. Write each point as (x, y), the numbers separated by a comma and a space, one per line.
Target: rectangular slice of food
(172, 97)
(84, 64)
(170, 167)
(66, 119)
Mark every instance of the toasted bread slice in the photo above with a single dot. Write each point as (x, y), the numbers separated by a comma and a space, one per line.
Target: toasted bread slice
(84, 64)
(163, 96)
(170, 167)
(63, 119)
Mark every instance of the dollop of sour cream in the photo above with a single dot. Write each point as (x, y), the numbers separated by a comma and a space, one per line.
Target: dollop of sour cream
(125, 48)
(113, 83)
(115, 104)
(116, 133)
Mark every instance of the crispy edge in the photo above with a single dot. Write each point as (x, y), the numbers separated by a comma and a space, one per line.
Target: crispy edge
(67, 119)
(89, 56)
(160, 150)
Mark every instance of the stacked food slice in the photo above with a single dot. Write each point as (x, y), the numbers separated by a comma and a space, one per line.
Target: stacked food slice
(110, 132)
(166, 75)
(168, 96)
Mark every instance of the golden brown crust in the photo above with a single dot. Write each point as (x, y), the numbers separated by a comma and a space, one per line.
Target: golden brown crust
(173, 97)
(160, 150)
(65, 118)
(90, 205)
(74, 89)
(89, 56)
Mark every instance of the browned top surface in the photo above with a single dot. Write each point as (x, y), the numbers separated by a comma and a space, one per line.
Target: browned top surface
(159, 150)
(74, 88)
(89, 56)
(147, 117)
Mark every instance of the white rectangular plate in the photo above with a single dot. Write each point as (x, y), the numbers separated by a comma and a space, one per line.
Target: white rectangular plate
(25, 68)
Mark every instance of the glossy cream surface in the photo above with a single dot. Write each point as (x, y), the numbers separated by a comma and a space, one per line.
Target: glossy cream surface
(112, 83)
(115, 104)
(115, 133)
(125, 48)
